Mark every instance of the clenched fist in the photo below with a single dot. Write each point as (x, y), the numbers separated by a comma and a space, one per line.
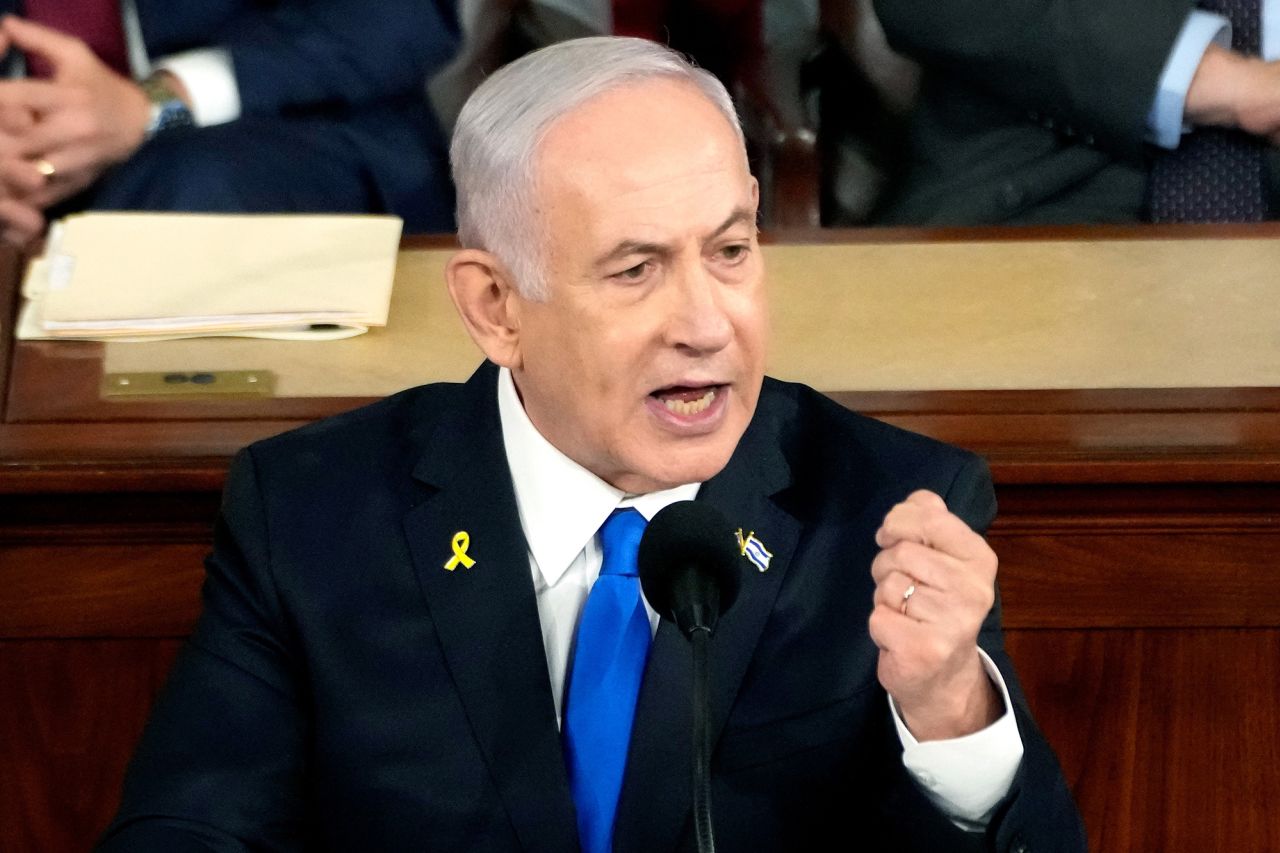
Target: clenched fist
(935, 583)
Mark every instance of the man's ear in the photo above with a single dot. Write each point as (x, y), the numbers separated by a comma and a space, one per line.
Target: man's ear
(484, 294)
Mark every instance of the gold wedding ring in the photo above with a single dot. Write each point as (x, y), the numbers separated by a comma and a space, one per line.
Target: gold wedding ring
(906, 598)
(45, 168)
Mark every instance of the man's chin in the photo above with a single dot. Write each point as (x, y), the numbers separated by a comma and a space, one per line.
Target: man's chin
(667, 467)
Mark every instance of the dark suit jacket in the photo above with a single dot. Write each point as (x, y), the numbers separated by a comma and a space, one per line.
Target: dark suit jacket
(1030, 111)
(361, 66)
(343, 691)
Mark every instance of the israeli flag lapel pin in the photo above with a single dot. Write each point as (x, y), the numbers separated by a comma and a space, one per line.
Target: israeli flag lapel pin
(753, 549)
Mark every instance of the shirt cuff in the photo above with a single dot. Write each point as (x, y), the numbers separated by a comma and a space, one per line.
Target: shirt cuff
(210, 82)
(1165, 124)
(966, 777)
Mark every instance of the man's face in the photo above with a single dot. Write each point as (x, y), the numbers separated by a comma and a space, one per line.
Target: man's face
(645, 362)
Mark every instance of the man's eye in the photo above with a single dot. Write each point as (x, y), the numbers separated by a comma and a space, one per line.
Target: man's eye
(635, 273)
(734, 253)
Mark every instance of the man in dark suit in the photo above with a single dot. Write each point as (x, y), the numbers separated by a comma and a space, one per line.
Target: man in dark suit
(401, 599)
(223, 105)
(1054, 112)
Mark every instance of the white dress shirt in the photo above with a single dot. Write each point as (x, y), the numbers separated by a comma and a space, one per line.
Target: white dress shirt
(207, 73)
(562, 506)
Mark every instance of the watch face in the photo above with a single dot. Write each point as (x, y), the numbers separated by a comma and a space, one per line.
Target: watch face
(175, 114)
(168, 111)
(169, 115)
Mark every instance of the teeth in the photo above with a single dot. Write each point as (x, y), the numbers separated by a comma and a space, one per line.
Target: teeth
(692, 407)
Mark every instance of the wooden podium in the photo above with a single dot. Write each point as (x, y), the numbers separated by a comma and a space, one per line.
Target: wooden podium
(1123, 383)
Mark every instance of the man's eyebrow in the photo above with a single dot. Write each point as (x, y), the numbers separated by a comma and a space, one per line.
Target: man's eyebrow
(642, 247)
(738, 217)
(632, 247)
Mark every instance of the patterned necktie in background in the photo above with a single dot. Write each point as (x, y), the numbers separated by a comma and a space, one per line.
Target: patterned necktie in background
(98, 23)
(608, 664)
(1215, 174)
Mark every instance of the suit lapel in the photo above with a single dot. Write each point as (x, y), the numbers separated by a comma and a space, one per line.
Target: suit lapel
(486, 616)
(657, 792)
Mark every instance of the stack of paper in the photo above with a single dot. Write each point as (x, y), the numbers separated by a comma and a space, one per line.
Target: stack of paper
(149, 276)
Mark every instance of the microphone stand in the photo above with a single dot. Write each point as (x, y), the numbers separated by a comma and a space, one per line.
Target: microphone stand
(700, 636)
(690, 573)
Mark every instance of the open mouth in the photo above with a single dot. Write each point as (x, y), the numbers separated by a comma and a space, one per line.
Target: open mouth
(687, 401)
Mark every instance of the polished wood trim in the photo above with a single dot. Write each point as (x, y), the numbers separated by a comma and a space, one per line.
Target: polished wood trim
(10, 294)
(1154, 447)
(1015, 233)
(76, 366)
(975, 233)
(1062, 401)
(429, 241)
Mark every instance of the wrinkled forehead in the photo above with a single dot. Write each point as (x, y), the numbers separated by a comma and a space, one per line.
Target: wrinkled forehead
(647, 155)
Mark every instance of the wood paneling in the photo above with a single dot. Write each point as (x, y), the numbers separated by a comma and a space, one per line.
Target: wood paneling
(70, 717)
(1090, 580)
(1167, 737)
(122, 589)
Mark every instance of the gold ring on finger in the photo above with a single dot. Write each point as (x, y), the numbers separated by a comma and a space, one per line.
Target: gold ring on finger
(45, 168)
(906, 598)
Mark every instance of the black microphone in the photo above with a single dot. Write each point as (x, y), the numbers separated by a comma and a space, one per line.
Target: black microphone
(689, 567)
(690, 574)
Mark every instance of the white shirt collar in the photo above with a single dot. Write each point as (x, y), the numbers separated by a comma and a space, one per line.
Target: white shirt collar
(561, 504)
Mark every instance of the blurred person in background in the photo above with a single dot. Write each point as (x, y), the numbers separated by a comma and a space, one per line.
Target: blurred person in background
(1044, 111)
(222, 106)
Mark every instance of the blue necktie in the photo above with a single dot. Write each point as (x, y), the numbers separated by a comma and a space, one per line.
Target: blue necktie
(608, 663)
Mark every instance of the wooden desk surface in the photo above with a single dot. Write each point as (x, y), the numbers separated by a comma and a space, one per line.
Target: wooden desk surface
(1138, 530)
(1022, 315)
(1030, 345)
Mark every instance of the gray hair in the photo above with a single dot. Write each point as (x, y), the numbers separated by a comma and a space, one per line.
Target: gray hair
(503, 123)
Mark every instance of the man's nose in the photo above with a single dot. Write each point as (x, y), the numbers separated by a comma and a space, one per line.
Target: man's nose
(698, 321)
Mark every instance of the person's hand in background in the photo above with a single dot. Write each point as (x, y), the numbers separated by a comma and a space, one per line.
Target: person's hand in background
(58, 135)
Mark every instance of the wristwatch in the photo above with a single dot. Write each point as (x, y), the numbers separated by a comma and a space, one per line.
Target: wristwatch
(168, 110)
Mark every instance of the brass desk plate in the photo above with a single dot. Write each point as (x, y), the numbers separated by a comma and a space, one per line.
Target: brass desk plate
(188, 385)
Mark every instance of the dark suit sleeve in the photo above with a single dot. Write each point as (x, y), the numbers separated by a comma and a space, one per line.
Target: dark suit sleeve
(330, 53)
(220, 765)
(1089, 64)
(1038, 813)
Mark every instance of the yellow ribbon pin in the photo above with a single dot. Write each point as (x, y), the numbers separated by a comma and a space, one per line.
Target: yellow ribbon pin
(461, 541)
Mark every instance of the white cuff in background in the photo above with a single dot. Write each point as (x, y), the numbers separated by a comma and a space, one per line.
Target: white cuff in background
(210, 82)
(1165, 123)
(967, 776)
